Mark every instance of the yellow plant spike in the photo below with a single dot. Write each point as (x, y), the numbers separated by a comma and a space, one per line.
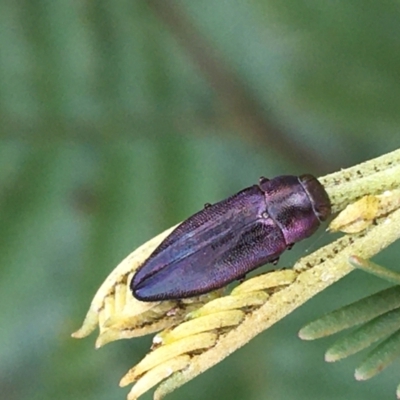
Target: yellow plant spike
(137, 314)
(113, 334)
(168, 352)
(206, 323)
(357, 216)
(360, 215)
(254, 305)
(314, 273)
(117, 277)
(120, 316)
(109, 308)
(157, 374)
(120, 297)
(232, 302)
(265, 281)
(141, 318)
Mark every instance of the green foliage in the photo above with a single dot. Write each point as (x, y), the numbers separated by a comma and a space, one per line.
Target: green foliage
(378, 317)
(115, 126)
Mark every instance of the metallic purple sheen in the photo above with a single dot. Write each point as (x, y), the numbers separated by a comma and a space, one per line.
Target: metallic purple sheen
(228, 239)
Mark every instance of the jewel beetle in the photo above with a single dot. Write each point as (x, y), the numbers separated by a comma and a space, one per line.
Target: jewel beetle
(228, 239)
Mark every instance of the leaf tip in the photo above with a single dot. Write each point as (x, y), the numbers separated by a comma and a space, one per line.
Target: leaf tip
(305, 334)
(361, 375)
(331, 356)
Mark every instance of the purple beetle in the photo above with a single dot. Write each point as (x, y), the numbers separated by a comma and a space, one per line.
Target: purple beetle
(228, 239)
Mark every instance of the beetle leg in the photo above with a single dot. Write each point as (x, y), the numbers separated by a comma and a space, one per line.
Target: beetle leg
(274, 262)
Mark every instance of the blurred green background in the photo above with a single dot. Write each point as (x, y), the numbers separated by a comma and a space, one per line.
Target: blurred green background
(121, 118)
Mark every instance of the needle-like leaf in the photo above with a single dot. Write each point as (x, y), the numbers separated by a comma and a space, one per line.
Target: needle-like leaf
(382, 356)
(375, 269)
(386, 325)
(377, 329)
(353, 314)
